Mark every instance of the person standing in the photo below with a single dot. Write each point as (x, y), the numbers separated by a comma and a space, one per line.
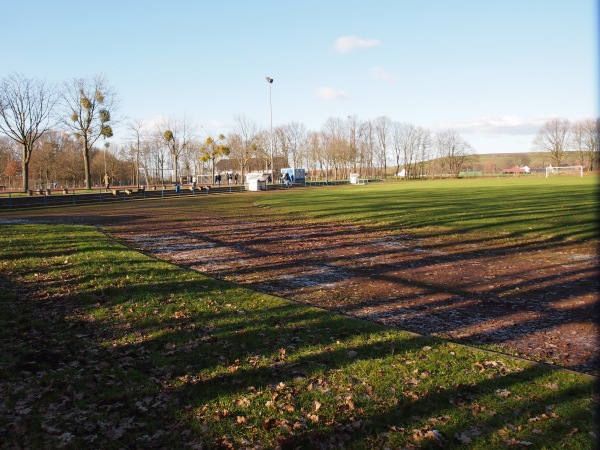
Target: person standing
(106, 181)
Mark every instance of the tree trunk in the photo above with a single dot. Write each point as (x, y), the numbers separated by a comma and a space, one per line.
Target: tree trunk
(25, 167)
(174, 168)
(25, 176)
(86, 164)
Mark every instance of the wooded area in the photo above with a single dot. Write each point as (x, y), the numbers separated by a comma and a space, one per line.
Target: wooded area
(47, 132)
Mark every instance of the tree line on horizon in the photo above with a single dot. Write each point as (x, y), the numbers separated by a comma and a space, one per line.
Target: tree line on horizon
(61, 133)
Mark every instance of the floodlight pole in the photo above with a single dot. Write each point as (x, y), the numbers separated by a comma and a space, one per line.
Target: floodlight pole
(270, 81)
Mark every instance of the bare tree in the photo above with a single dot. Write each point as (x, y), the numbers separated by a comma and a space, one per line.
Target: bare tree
(280, 142)
(453, 149)
(264, 144)
(397, 136)
(553, 138)
(366, 139)
(314, 161)
(44, 161)
(296, 136)
(158, 156)
(334, 139)
(90, 105)
(176, 136)
(136, 128)
(26, 107)
(353, 133)
(585, 141)
(291, 139)
(424, 146)
(405, 143)
(383, 127)
(5, 157)
(242, 142)
(69, 159)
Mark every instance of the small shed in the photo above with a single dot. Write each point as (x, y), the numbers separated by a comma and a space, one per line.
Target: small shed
(257, 181)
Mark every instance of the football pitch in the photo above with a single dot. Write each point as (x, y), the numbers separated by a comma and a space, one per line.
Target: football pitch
(331, 317)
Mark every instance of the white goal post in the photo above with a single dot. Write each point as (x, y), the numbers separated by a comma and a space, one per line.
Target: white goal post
(564, 170)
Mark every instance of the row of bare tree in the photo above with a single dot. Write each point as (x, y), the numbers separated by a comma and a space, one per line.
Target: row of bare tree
(52, 126)
(30, 108)
(558, 136)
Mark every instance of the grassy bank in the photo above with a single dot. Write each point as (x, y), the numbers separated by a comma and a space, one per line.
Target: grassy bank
(104, 347)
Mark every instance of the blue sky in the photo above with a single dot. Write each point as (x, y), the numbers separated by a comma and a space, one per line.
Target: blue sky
(494, 70)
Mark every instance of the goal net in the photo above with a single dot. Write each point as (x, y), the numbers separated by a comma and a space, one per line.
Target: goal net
(564, 170)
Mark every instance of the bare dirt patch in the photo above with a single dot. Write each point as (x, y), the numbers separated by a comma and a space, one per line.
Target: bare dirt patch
(535, 299)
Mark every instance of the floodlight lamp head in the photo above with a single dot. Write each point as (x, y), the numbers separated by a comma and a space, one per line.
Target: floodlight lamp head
(269, 79)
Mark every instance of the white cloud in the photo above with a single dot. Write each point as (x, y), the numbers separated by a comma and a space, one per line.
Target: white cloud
(503, 125)
(215, 125)
(345, 44)
(331, 94)
(379, 73)
(151, 125)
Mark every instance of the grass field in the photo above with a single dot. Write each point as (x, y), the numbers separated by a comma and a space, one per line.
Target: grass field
(556, 208)
(105, 347)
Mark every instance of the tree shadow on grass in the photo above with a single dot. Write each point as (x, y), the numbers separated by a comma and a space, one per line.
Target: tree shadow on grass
(251, 249)
(184, 373)
(329, 259)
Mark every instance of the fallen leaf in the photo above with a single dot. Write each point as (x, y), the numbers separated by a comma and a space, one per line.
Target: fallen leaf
(313, 418)
(270, 423)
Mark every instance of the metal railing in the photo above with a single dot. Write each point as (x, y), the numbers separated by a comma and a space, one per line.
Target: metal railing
(47, 198)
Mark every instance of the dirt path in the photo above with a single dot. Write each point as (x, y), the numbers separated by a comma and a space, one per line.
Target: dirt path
(538, 300)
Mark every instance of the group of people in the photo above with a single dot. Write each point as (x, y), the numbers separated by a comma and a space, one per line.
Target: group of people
(230, 178)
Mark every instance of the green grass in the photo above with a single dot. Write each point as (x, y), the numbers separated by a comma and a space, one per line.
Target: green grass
(104, 347)
(555, 208)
